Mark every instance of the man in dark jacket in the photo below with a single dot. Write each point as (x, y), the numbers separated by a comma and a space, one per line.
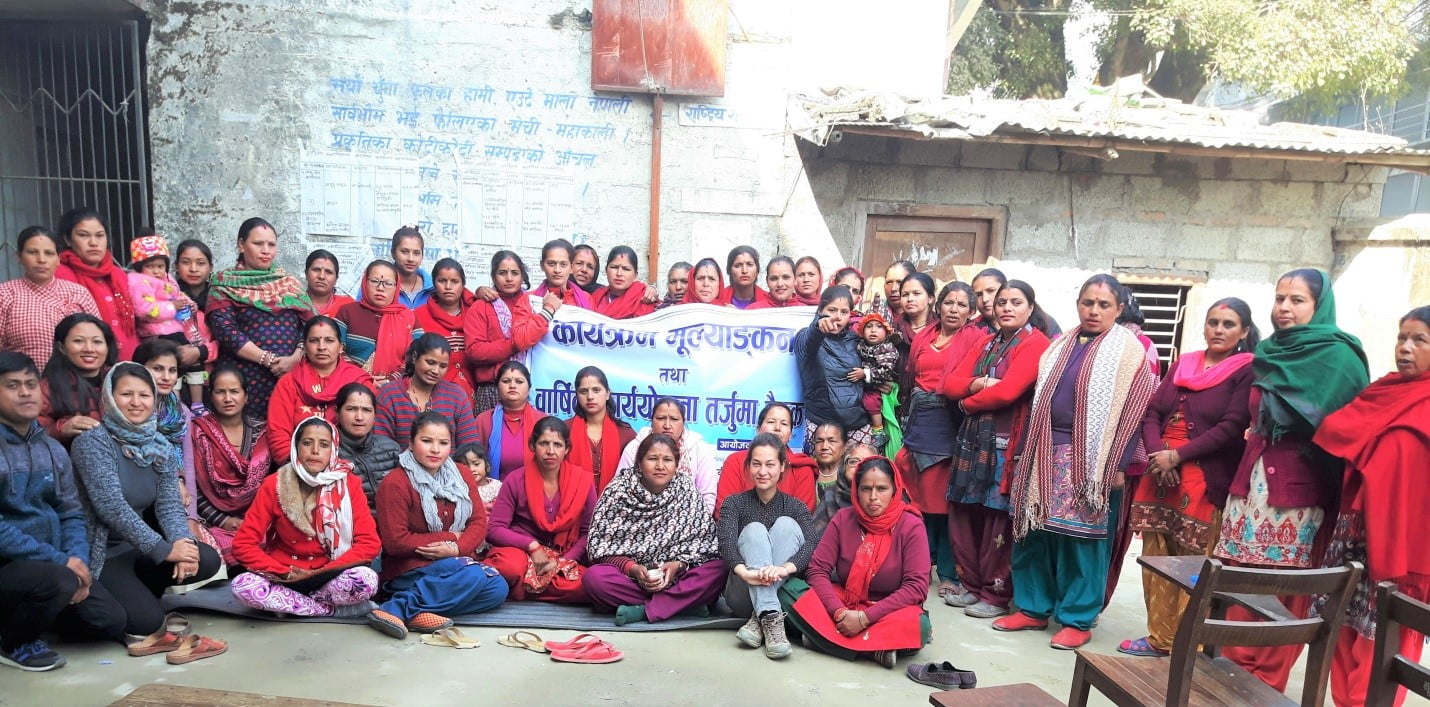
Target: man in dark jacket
(43, 538)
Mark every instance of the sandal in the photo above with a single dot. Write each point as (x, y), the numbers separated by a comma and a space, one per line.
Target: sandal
(579, 640)
(1142, 648)
(158, 642)
(194, 647)
(523, 639)
(594, 652)
(451, 638)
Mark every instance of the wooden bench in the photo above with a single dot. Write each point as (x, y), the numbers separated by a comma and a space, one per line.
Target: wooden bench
(1020, 695)
(1198, 678)
(163, 694)
(1390, 670)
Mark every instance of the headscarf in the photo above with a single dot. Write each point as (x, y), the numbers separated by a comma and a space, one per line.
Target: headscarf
(394, 333)
(878, 539)
(270, 290)
(630, 521)
(447, 483)
(575, 487)
(141, 443)
(627, 306)
(226, 478)
(334, 506)
(1308, 371)
(1190, 375)
(720, 290)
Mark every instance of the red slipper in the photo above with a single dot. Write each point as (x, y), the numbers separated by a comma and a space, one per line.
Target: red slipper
(594, 652)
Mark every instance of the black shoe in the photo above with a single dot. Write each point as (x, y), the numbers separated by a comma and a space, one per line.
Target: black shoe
(34, 656)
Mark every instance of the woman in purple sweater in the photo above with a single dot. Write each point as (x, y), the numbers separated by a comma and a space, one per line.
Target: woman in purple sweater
(869, 576)
(541, 520)
(1193, 430)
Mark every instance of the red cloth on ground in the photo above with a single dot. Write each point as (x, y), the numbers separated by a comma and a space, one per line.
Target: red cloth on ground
(109, 285)
(487, 346)
(627, 306)
(432, 319)
(269, 542)
(797, 481)
(301, 394)
(404, 529)
(614, 438)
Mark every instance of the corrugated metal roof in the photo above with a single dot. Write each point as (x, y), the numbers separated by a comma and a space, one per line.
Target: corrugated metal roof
(1121, 120)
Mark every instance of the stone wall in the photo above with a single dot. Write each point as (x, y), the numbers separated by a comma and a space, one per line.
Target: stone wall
(1232, 224)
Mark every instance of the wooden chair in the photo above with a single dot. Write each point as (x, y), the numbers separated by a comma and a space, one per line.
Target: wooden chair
(1390, 671)
(1194, 677)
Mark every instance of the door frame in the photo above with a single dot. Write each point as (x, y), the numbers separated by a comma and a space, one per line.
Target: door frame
(996, 216)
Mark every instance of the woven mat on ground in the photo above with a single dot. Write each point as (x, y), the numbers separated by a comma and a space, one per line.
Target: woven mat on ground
(528, 614)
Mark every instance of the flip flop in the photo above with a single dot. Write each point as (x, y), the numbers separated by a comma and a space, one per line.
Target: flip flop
(450, 638)
(523, 639)
(577, 641)
(1141, 648)
(193, 647)
(594, 653)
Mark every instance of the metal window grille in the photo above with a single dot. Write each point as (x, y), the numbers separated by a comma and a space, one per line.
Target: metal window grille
(72, 127)
(1164, 307)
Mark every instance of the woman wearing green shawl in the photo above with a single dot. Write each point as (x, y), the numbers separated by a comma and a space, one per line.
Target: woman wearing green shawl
(256, 312)
(1283, 500)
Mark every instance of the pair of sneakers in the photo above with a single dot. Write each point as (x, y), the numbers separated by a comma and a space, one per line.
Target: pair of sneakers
(766, 629)
(35, 656)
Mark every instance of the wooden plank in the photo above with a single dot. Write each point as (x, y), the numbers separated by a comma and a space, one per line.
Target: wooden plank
(181, 696)
(675, 47)
(1019, 695)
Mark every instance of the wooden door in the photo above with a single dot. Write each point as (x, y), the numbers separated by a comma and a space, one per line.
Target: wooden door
(944, 247)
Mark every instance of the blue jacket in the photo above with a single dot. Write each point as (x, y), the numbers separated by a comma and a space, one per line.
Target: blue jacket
(824, 363)
(41, 517)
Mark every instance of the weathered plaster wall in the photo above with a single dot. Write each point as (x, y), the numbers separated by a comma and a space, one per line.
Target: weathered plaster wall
(1234, 223)
(241, 92)
(1382, 270)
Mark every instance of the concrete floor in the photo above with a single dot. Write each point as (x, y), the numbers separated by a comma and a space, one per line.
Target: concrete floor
(356, 664)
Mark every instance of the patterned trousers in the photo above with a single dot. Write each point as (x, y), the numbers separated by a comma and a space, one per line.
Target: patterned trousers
(354, 585)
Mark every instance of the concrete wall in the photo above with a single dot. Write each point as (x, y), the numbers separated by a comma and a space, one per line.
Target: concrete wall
(250, 115)
(1382, 271)
(1233, 224)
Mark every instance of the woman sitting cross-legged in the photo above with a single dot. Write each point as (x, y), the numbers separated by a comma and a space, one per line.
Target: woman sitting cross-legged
(653, 546)
(229, 456)
(308, 538)
(139, 536)
(766, 536)
(540, 520)
(432, 521)
(868, 577)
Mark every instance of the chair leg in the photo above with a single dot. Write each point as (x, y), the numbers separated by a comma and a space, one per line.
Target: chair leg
(1080, 686)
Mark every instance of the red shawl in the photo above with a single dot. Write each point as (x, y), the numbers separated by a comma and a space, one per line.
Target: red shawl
(432, 319)
(335, 302)
(1384, 436)
(321, 392)
(575, 484)
(720, 299)
(878, 539)
(581, 453)
(762, 298)
(627, 306)
(394, 334)
(109, 285)
(226, 479)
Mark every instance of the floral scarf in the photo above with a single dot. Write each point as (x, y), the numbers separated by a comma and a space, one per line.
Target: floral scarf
(226, 478)
(446, 483)
(270, 290)
(140, 442)
(673, 525)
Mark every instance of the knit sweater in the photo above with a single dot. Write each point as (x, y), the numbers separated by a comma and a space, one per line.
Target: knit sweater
(96, 462)
(403, 527)
(41, 517)
(396, 412)
(744, 508)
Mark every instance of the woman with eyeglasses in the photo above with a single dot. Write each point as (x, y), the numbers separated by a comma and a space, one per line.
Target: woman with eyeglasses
(377, 329)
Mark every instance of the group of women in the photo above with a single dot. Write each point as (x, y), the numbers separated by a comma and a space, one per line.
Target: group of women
(405, 440)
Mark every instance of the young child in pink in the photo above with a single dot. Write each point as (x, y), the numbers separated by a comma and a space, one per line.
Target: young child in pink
(163, 310)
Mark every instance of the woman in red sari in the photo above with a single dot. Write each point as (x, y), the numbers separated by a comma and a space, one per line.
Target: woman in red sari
(1384, 437)
(869, 576)
(498, 330)
(378, 328)
(800, 469)
(89, 263)
(597, 436)
(743, 267)
(321, 273)
(229, 456)
(707, 284)
(623, 297)
(808, 281)
(541, 518)
(506, 428)
(443, 314)
(311, 388)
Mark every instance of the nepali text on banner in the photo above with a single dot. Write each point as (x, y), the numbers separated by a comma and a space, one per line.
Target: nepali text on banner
(721, 364)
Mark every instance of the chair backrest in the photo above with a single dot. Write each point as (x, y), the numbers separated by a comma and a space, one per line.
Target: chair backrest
(1197, 628)
(1390, 671)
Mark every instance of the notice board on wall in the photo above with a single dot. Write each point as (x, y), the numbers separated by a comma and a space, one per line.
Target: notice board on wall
(675, 47)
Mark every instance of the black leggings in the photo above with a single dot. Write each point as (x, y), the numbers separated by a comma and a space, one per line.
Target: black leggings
(137, 583)
(35, 597)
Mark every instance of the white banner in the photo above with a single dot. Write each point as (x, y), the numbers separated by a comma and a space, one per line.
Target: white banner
(721, 364)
